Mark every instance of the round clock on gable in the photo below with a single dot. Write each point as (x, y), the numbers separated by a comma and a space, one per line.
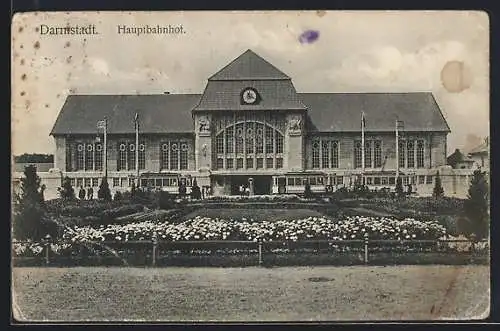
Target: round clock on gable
(249, 96)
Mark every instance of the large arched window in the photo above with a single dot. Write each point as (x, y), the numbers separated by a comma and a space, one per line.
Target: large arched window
(247, 145)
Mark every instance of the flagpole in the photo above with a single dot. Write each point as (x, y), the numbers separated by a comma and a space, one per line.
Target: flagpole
(363, 148)
(137, 148)
(105, 147)
(397, 151)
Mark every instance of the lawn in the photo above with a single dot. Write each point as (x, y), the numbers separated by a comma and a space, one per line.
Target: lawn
(251, 213)
(251, 294)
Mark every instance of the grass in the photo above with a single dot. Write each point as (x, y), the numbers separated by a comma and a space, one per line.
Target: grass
(251, 213)
(251, 294)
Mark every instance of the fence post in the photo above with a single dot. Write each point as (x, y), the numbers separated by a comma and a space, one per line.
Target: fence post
(47, 240)
(260, 251)
(154, 240)
(366, 247)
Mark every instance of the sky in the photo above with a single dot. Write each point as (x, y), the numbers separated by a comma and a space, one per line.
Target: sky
(446, 53)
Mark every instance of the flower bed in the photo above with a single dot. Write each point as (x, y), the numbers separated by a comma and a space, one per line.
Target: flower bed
(258, 198)
(311, 228)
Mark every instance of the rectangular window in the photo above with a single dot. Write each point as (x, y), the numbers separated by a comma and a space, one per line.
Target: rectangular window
(428, 180)
(87, 182)
(402, 154)
(184, 155)
(219, 144)
(249, 143)
(269, 140)
(421, 179)
(279, 143)
(229, 140)
(249, 163)
(229, 163)
(376, 180)
(72, 181)
(384, 181)
(290, 181)
(325, 148)
(174, 156)
(410, 150)
(392, 180)
(357, 154)
(239, 163)
(144, 182)
(298, 181)
(335, 154)
(142, 156)
(80, 157)
(130, 182)
(260, 163)
(122, 156)
(165, 182)
(131, 156)
(158, 182)
(89, 157)
(369, 181)
(116, 182)
(174, 181)
(320, 181)
(220, 163)
(420, 154)
(79, 182)
(377, 151)
(368, 154)
(98, 157)
(312, 180)
(405, 180)
(315, 154)
(269, 163)
(164, 147)
(279, 163)
(95, 182)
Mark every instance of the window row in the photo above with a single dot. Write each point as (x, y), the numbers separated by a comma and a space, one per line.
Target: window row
(89, 156)
(174, 155)
(372, 151)
(127, 154)
(85, 182)
(249, 163)
(325, 154)
(411, 153)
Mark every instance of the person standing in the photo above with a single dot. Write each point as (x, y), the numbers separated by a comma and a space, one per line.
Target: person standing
(81, 193)
(90, 193)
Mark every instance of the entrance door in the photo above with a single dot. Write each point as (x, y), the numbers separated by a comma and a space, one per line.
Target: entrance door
(282, 185)
(262, 184)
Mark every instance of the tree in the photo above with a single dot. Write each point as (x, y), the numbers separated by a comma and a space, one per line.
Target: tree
(438, 191)
(67, 192)
(34, 158)
(475, 224)
(399, 187)
(104, 193)
(118, 196)
(30, 221)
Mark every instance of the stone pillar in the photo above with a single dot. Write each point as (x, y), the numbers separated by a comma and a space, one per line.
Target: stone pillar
(294, 142)
(203, 141)
(60, 155)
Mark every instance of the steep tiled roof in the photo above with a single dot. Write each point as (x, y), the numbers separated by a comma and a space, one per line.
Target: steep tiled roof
(482, 148)
(457, 157)
(158, 113)
(249, 66)
(226, 95)
(341, 112)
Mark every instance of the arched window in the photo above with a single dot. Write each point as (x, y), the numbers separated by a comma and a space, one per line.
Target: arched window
(249, 143)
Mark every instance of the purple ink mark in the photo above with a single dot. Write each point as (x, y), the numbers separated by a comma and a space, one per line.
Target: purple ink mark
(309, 36)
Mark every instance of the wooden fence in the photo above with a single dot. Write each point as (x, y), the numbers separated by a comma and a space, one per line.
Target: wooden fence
(260, 252)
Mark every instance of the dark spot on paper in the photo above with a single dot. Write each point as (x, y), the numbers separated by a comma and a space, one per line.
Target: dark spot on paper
(67, 44)
(37, 29)
(20, 29)
(21, 46)
(46, 105)
(456, 76)
(68, 77)
(72, 90)
(22, 62)
(22, 93)
(37, 45)
(69, 58)
(24, 77)
(58, 95)
(27, 104)
(320, 13)
(309, 36)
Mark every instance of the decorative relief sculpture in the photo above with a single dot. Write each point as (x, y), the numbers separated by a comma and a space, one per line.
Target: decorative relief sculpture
(295, 125)
(203, 124)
